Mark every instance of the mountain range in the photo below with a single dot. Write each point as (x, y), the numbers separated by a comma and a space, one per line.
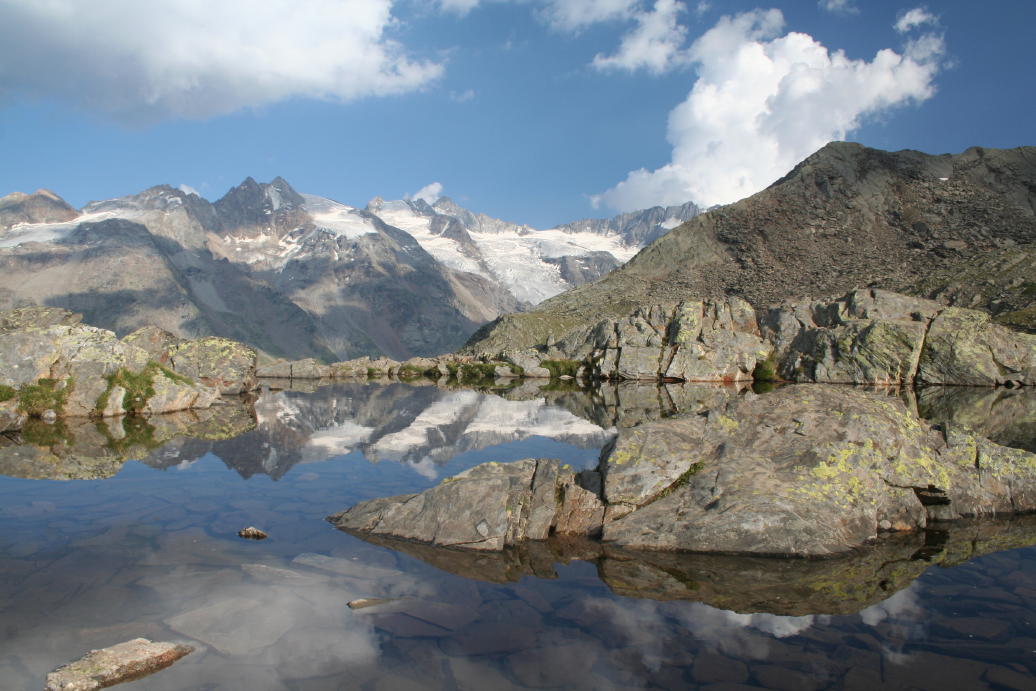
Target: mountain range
(298, 275)
(955, 228)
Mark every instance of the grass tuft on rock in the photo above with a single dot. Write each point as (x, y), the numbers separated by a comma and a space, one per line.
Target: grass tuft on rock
(7, 393)
(561, 368)
(46, 394)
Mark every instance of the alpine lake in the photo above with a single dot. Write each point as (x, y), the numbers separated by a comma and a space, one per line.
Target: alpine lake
(128, 528)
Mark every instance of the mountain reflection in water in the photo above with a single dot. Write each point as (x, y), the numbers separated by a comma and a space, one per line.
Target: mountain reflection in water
(92, 562)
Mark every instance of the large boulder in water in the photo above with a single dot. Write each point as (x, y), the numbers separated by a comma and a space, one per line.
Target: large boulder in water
(808, 470)
(488, 507)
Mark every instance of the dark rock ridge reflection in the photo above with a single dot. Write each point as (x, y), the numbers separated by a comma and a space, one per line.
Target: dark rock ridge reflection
(787, 587)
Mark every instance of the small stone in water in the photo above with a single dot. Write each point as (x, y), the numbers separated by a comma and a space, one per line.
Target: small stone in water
(252, 533)
(370, 602)
(109, 666)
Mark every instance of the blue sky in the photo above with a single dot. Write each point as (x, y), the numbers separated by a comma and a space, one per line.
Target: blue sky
(535, 111)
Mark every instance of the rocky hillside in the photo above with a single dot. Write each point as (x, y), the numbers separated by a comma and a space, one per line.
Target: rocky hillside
(846, 217)
(295, 275)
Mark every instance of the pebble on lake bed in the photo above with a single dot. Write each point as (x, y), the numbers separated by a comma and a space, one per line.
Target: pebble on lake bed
(122, 662)
(252, 533)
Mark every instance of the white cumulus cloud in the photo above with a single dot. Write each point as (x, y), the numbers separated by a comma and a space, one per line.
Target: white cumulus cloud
(429, 193)
(764, 101)
(185, 58)
(654, 45)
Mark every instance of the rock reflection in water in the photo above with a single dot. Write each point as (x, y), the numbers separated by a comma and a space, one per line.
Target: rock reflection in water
(1006, 416)
(786, 587)
(84, 449)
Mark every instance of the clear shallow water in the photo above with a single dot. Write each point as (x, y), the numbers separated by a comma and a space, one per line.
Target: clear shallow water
(152, 551)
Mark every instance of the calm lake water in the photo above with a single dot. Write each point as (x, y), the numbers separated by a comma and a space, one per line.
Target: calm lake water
(96, 549)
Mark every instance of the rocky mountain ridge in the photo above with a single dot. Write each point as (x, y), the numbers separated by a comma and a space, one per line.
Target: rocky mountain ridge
(295, 275)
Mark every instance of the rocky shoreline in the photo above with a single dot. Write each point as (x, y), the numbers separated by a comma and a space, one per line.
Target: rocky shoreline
(805, 471)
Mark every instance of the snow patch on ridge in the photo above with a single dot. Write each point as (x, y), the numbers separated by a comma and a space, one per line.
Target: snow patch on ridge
(338, 218)
(22, 233)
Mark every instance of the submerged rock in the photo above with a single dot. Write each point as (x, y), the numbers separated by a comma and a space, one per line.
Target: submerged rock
(807, 470)
(109, 666)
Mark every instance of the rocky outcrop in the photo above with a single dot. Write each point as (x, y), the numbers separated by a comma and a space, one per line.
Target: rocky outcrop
(703, 340)
(877, 337)
(803, 471)
(155, 341)
(226, 365)
(116, 664)
(52, 366)
(868, 336)
(488, 507)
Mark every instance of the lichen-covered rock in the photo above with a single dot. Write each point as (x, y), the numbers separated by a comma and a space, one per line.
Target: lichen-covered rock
(173, 393)
(528, 361)
(488, 507)
(279, 369)
(78, 358)
(807, 471)
(37, 317)
(227, 365)
(108, 666)
(965, 347)
(867, 336)
(295, 369)
(703, 340)
(155, 341)
(878, 337)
